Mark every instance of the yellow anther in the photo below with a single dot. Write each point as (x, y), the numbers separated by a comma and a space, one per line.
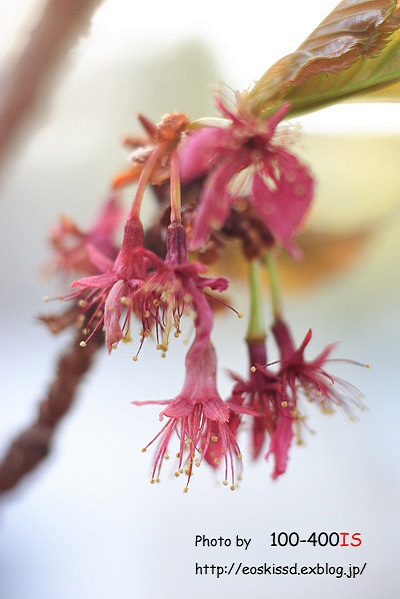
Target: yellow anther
(186, 489)
(144, 449)
(83, 344)
(127, 338)
(253, 369)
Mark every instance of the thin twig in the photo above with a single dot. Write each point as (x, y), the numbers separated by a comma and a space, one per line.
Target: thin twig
(26, 82)
(30, 447)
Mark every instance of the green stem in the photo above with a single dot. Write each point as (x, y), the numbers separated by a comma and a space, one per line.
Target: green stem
(256, 330)
(275, 286)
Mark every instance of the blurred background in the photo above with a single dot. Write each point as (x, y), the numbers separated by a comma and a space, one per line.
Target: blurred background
(88, 523)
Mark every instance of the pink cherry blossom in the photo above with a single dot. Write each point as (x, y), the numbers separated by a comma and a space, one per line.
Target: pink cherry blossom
(301, 379)
(103, 297)
(258, 395)
(74, 247)
(310, 378)
(243, 161)
(198, 417)
(175, 288)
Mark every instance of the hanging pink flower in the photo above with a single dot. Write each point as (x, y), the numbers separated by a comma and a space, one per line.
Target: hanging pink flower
(256, 395)
(198, 417)
(310, 378)
(73, 245)
(104, 298)
(243, 161)
(175, 288)
(301, 379)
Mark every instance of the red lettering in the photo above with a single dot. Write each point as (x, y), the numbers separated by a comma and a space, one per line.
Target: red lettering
(356, 536)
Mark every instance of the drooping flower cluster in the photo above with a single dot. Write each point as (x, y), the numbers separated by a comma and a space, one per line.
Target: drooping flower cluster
(239, 162)
(276, 395)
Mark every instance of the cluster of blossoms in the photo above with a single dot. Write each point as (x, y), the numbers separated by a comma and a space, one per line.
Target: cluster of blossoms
(215, 180)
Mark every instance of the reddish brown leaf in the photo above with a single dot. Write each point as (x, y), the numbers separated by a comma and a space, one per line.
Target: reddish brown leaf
(354, 30)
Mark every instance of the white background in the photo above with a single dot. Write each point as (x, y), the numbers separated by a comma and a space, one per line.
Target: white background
(88, 524)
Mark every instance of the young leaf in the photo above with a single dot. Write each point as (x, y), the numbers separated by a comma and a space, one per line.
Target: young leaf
(354, 51)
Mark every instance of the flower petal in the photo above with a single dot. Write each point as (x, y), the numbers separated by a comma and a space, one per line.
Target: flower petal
(198, 151)
(216, 409)
(284, 208)
(281, 442)
(96, 281)
(215, 202)
(112, 315)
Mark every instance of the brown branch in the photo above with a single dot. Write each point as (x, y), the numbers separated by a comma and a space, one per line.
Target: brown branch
(29, 448)
(26, 82)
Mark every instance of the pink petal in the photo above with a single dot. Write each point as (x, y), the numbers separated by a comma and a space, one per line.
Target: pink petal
(112, 314)
(180, 407)
(100, 260)
(198, 151)
(216, 409)
(215, 202)
(108, 220)
(283, 209)
(96, 281)
(280, 444)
